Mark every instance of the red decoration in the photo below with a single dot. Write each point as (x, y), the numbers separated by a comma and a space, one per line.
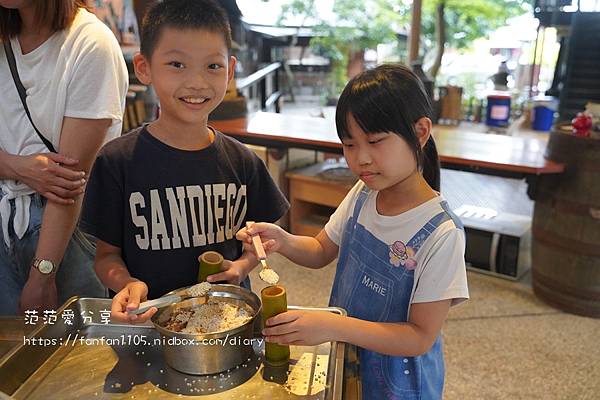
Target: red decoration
(582, 124)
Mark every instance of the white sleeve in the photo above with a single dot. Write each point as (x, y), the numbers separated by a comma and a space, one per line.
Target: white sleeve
(444, 274)
(98, 84)
(335, 226)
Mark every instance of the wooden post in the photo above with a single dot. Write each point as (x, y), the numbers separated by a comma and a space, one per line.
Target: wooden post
(415, 31)
(356, 63)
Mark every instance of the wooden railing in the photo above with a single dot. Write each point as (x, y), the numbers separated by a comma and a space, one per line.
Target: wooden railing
(263, 87)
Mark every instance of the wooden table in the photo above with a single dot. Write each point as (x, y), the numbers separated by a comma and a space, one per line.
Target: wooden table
(283, 131)
(512, 156)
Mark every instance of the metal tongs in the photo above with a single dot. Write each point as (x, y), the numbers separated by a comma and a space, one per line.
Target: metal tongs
(172, 298)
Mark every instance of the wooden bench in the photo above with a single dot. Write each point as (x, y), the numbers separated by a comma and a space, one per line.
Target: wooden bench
(313, 199)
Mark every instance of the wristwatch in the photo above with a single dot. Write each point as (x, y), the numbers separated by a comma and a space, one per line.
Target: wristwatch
(46, 267)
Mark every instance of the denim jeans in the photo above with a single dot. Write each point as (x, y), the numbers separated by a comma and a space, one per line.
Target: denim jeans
(75, 275)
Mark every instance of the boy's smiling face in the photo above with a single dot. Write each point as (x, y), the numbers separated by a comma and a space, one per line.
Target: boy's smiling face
(190, 70)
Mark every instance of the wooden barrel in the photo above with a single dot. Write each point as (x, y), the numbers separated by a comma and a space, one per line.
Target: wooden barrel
(566, 227)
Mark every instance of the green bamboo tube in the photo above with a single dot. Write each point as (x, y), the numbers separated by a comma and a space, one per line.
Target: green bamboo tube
(211, 262)
(274, 301)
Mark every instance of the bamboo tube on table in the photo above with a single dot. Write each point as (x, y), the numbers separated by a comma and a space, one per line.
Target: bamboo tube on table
(274, 301)
(211, 262)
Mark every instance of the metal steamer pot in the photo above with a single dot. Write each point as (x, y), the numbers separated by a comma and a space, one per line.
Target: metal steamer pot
(201, 354)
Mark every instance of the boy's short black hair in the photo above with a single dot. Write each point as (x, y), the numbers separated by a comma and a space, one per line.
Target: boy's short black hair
(183, 14)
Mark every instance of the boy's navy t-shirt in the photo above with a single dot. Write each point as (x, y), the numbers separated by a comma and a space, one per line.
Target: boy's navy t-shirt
(164, 206)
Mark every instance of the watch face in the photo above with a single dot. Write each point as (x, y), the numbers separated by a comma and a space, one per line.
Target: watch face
(45, 266)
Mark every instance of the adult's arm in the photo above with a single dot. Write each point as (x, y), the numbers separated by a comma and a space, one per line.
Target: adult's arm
(80, 139)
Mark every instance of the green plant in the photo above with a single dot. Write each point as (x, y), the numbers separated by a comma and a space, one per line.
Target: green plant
(457, 23)
(359, 25)
(364, 24)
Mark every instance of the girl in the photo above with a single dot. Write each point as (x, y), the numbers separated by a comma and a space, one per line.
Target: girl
(75, 81)
(400, 250)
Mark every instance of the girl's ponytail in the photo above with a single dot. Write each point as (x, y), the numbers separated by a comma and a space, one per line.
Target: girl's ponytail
(431, 164)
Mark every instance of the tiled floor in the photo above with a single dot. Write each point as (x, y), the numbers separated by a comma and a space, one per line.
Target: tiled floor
(506, 344)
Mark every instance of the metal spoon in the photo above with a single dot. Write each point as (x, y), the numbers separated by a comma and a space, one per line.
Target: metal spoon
(267, 274)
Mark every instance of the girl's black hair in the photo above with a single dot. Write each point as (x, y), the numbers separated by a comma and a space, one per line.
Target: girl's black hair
(390, 98)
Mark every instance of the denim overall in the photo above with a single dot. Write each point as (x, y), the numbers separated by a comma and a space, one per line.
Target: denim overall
(370, 287)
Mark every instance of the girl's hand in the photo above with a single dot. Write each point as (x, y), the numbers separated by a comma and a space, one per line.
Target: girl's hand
(304, 328)
(234, 272)
(271, 235)
(46, 174)
(129, 298)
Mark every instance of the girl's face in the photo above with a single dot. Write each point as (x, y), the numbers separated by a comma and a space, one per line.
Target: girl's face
(380, 160)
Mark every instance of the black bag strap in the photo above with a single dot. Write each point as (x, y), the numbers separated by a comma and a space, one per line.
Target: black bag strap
(10, 57)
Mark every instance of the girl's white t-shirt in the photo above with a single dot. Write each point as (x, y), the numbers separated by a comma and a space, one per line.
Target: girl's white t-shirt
(440, 271)
(78, 72)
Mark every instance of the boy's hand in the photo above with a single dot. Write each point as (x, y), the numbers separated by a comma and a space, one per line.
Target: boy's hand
(304, 328)
(129, 298)
(234, 272)
(271, 235)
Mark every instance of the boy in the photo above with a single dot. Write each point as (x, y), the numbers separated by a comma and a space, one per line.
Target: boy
(165, 193)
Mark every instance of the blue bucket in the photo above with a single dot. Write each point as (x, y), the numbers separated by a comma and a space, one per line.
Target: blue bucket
(543, 117)
(544, 108)
(498, 110)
